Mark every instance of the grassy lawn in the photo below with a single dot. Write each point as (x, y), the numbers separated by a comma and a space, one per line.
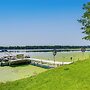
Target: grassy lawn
(14, 73)
(62, 56)
(68, 77)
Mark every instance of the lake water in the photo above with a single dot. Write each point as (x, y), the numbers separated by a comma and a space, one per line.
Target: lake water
(61, 56)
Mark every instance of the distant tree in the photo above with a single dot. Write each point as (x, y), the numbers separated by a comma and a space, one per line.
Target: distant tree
(85, 21)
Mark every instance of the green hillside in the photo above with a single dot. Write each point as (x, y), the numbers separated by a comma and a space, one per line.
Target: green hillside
(69, 77)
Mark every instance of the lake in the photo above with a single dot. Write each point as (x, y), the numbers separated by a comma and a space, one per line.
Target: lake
(61, 56)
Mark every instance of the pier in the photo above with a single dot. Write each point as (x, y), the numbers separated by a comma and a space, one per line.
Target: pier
(38, 61)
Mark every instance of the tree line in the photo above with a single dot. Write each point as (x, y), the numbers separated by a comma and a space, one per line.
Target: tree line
(43, 47)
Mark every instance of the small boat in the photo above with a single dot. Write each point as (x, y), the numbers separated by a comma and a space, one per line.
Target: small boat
(14, 60)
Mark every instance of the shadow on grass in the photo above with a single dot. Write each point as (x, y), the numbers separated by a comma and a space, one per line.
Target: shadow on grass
(20, 65)
(37, 65)
(42, 66)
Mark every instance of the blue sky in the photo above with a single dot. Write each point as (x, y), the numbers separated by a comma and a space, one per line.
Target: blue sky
(41, 22)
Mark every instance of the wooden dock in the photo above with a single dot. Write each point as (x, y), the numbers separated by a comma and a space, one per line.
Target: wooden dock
(38, 61)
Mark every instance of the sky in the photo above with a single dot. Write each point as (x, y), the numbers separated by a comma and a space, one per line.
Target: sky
(41, 22)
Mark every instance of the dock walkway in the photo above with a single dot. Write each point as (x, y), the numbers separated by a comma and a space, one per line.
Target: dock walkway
(40, 61)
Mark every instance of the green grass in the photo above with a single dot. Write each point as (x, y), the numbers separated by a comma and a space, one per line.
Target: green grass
(14, 73)
(62, 56)
(69, 77)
